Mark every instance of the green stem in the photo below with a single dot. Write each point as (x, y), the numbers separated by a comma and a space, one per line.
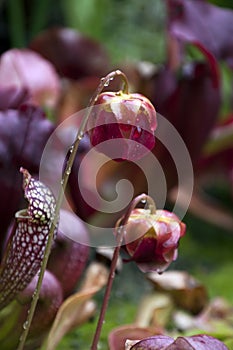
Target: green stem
(120, 235)
(73, 150)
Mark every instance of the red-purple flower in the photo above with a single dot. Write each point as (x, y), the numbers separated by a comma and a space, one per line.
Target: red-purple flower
(152, 240)
(128, 119)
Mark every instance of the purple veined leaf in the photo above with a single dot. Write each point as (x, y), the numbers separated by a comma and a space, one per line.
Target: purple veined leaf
(202, 24)
(23, 135)
(24, 68)
(197, 342)
(25, 249)
(158, 342)
(84, 56)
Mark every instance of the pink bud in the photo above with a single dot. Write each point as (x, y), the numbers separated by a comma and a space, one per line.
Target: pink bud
(128, 119)
(152, 240)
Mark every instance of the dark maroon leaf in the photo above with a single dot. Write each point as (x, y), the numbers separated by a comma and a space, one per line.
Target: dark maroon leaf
(191, 103)
(76, 184)
(70, 252)
(51, 297)
(23, 135)
(205, 25)
(83, 56)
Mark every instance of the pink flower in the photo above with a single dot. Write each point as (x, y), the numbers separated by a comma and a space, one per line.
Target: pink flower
(128, 119)
(152, 240)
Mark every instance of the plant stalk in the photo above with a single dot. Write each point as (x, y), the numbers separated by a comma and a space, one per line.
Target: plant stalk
(119, 229)
(73, 151)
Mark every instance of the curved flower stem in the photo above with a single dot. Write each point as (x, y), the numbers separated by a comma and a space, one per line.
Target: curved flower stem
(143, 198)
(72, 153)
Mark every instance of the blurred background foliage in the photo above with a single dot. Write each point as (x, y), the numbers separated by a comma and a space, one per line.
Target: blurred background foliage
(130, 30)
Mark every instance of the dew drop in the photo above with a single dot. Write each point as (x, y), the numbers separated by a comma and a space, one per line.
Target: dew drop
(80, 136)
(25, 325)
(34, 294)
(143, 201)
(106, 84)
(68, 171)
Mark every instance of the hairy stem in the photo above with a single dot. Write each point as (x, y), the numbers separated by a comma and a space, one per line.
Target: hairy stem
(73, 151)
(143, 198)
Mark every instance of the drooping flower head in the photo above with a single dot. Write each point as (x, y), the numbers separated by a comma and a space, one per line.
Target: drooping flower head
(151, 239)
(128, 118)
